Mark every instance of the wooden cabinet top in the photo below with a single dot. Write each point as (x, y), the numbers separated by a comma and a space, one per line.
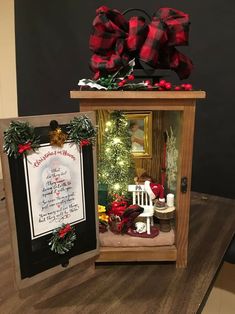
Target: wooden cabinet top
(137, 94)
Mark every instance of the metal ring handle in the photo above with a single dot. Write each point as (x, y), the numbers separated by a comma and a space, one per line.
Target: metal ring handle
(134, 9)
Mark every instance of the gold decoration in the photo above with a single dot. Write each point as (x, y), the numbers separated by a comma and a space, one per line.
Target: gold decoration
(57, 137)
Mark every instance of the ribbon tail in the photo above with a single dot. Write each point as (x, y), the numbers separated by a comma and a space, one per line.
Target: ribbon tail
(181, 64)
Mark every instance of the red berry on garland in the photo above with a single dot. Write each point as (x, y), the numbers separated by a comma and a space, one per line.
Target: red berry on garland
(188, 87)
(148, 82)
(131, 77)
(120, 84)
(156, 84)
(183, 86)
(168, 85)
(162, 83)
(149, 87)
(177, 88)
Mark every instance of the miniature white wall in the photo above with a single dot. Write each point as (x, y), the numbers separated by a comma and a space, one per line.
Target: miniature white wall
(8, 91)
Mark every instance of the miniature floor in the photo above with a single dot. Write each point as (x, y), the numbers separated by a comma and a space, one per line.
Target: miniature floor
(146, 287)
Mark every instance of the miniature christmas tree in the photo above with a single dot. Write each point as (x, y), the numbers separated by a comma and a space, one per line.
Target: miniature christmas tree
(116, 168)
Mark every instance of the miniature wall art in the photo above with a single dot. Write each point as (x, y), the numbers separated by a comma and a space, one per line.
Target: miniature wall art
(140, 128)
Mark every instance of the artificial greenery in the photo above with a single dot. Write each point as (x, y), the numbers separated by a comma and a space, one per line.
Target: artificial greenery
(115, 167)
(81, 129)
(122, 79)
(62, 239)
(20, 138)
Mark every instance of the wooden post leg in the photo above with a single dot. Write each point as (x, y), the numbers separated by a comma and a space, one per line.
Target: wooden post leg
(151, 219)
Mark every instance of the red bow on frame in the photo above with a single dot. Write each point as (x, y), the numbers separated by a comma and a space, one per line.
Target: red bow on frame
(24, 147)
(84, 143)
(115, 41)
(64, 231)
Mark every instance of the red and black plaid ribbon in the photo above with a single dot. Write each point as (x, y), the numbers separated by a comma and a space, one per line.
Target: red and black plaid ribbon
(115, 41)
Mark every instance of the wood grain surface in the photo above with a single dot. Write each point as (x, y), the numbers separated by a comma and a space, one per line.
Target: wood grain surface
(137, 94)
(134, 288)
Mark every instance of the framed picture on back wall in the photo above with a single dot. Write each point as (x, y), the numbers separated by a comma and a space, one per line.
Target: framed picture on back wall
(140, 127)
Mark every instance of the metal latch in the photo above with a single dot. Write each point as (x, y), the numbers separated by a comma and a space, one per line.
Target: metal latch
(184, 184)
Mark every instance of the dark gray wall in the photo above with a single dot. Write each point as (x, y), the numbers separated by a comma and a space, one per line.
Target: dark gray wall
(52, 55)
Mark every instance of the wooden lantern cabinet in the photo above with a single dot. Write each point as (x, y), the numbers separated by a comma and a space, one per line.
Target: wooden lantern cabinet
(183, 103)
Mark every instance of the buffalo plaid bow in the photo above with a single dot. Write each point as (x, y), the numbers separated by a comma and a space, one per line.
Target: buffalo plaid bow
(115, 41)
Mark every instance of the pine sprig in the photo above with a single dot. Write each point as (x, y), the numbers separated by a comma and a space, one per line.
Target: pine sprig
(62, 241)
(80, 129)
(18, 134)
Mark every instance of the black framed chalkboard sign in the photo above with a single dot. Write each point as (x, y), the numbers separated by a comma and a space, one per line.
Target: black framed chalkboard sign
(49, 189)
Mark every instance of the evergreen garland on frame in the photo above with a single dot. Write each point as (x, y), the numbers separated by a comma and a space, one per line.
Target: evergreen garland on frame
(81, 131)
(20, 138)
(62, 239)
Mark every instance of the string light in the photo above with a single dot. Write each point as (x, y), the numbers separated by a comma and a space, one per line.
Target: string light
(116, 140)
(116, 186)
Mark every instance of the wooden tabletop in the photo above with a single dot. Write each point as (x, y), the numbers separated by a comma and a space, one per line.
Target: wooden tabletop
(137, 94)
(136, 288)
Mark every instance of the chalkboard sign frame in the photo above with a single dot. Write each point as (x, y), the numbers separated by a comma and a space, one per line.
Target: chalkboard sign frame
(41, 123)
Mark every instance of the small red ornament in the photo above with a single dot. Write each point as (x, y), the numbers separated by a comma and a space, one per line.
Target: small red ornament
(188, 87)
(177, 88)
(148, 82)
(156, 84)
(168, 85)
(149, 87)
(162, 83)
(24, 147)
(121, 83)
(130, 77)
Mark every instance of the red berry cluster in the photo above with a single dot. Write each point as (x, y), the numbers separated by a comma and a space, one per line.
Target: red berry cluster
(163, 85)
(129, 78)
(184, 87)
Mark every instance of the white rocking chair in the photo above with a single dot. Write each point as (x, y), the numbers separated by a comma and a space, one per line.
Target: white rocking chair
(141, 198)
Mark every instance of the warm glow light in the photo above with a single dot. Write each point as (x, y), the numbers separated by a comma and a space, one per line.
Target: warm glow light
(116, 140)
(107, 150)
(108, 123)
(121, 163)
(116, 186)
